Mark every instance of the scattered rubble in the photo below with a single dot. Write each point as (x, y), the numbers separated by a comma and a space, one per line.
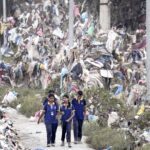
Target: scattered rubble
(9, 139)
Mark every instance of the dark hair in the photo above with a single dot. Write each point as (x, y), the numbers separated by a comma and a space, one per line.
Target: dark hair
(80, 93)
(51, 95)
(66, 96)
(69, 104)
(51, 91)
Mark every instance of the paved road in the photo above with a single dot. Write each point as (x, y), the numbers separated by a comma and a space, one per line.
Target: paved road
(34, 136)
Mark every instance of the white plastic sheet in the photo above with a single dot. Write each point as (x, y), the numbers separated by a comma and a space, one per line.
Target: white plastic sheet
(113, 117)
(57, 32)
(9, 98)
(106, 73)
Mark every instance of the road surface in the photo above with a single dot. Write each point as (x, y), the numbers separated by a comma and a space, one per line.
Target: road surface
(33, 136)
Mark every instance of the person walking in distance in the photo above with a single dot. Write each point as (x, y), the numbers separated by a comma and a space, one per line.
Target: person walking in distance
(67, 112)
(79, 105)
(50, 112)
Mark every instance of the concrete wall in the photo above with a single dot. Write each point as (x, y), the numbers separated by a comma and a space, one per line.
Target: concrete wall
(105, 17)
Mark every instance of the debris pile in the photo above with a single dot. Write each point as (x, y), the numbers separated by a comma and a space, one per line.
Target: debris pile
(9, 139)
(114, 60)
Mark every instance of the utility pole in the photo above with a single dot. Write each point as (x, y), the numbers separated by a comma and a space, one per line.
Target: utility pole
(4, 19)
(148, 48)
(3, 22)
(105, 18)
(71, 23)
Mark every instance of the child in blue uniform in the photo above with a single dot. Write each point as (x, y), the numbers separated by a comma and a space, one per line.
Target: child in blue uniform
(79, 105)
(50, 112)
(46, 99)
(67, 112)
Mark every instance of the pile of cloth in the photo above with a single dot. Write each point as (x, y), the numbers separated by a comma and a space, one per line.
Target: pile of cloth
(114, 60)
(9, 139)
(43, 53)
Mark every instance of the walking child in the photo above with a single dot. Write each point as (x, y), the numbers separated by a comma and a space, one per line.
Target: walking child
(46, 99)
(67, 112)
(79, 105)
(50, 112)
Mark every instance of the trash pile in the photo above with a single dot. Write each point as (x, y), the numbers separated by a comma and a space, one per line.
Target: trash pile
(43, 53)
(38, 41)
(42, 47)
(9, 139)
(9, 98)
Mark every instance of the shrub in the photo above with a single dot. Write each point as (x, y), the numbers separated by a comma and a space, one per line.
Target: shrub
(145, 147)
(104, 102)
(30, 105)
(3, 91)
(104, 98)
(90, 127)
(54, 85)
(28, 99)
(15, 103)
(106, 137)
(143, 121)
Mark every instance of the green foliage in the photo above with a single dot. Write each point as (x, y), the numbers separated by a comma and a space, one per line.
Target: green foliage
(104, 98)
(30, 105)
(142, 122)
(105, 137)
(145, 147)
(54, 85)
(3, 90)
(89, 128)
(103, 102)
(30, 99)
(100, 136)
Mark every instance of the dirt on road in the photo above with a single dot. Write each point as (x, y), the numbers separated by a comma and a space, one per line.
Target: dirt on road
(33, 136)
